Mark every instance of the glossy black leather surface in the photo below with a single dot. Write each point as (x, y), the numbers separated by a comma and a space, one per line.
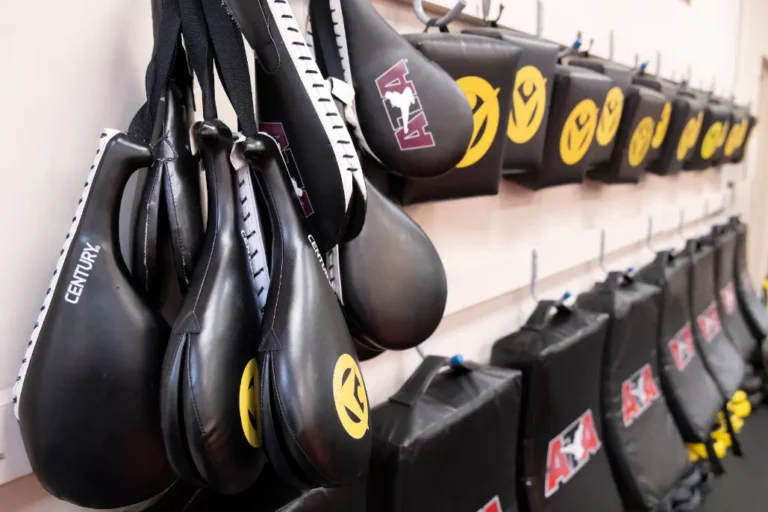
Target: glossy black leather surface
(283, 101)
(304, 335)
(89, 412)
(393, 281)
(171, 191)
(382, 63)
(215, 336)
(753, 310)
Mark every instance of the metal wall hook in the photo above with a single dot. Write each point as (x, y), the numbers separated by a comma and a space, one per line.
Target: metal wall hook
(601, 257)
(418, 9)
(420, 351)
(539, 18)
(487, 13)
(680, 225)
(573, 49)
(534, 273)
(649, 236)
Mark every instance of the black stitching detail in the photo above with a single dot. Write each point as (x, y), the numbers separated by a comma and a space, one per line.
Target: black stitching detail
(247, 217)
(19, 377)
(242, 201)
(54, 273)
(332, 114)
(103, 135)
(261, 290)
(49, 291)
(86, 184)
(324, 100)
(348, 156)
(304, 57)
(15, 399)
(254, 253)
(42, 308)
(286, 16)
(292, 29)
(249, 235)
(24, 360)
(36, 324)
(259, 272)
(352, 169)
(343, 142)
(298, 43)
(317, 85)
(312, 71)
(332, 279)
(80, 201)
(66, 237)
(241, 183)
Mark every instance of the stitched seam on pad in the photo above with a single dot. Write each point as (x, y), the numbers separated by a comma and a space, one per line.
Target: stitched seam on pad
(295, 441)
(179, 241)
(146, 236)
(213, 246)
(200, 424)
(280, 273)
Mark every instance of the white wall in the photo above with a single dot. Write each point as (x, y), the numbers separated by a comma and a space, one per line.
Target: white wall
(81, 68)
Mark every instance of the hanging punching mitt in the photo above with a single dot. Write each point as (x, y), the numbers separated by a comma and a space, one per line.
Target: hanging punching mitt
(313, 399)
(297, 107)
(408, 113)
(87, 393)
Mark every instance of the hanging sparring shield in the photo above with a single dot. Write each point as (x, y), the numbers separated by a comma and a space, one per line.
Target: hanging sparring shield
(720, 356)
(531, 99)
(737, 136)
(667, 91)
(734, 323)
(691, 392)
(643, 110)
(740, 151)
(645, 448)
(753, 310)
(563, 463)
(612, 110)
(714, 129)
(484, 68)
(447, 440)
(578, 95)
(87, 395)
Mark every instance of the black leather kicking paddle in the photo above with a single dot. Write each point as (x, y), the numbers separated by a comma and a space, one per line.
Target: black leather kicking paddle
(87, 393)
(314, 404)
(408, 113)
(296, 106)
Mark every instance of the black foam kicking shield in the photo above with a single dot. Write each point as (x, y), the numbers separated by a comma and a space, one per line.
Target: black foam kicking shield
(391, 303)
(612, 110)
(690, 391)
(667, 92)
(737, 136)
(578, 95)
(87, 392)
(740, 151)
(734, 323)
(297, 108)
(720, 355)
(644, 445)
(683, 132)
(171, 196)
(753, 310)
(715, 125)
(531, 99)
(562, 460)
(483, 68)
(407, 112)
(643, 110)
(447, 440)
(209, 397)
(313, 400)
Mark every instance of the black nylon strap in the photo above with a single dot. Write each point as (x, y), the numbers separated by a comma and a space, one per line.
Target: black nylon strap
(732, 432)
(714, 461)
(159, 69)
(324, 39)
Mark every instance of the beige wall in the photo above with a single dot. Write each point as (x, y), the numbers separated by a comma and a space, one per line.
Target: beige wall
(80, 68)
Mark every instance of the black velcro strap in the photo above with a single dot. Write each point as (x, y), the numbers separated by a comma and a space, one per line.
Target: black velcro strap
(201, 54)
(732, 432)
(324, 39)
(714, 462)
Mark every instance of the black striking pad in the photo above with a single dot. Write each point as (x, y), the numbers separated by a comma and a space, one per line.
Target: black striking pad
(171, 197)
(611, 112)
(313, 399)
(639, 128)
(738, 154)
(209, 397)
(531, 99)
(644, 445)
(483, 68)
(577, 97)
(712, 135)
(753, 310)
(734, 323)
(391, 303)
(690, 391)
(667, 92)
(720, 356)
(411, 114)
(562, 459)
(447, 441)
(737, 136)
(89, 412)
(296, 107)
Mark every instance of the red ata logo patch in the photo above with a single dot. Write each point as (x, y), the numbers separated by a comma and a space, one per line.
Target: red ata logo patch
(728, 297)
(493, 506)
(682, 348)
(709, 323)
(570, 451)
(637, 394)
(403, 107)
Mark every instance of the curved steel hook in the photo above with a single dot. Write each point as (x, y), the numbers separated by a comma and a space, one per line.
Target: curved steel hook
(534, 273)
(601, 257)
(418, 9)
(649, 237)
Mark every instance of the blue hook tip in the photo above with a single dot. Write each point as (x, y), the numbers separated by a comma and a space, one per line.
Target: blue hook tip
(630, 270)
(565, 297)
(644, 66)
(457, 360)
(577, 44)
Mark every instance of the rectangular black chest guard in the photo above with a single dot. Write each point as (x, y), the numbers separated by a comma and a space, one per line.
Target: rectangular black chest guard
(563, 464)
(447, 441)
(646, 451)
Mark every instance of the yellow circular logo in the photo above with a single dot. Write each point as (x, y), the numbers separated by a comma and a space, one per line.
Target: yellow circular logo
(661, 128)
(578, 132)
(711, 140)
(736, 137)
(350, 397)
(610, 116)
(688, 137)
(483, 99)
(529, 101)
(250, 410)
(640, 142)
